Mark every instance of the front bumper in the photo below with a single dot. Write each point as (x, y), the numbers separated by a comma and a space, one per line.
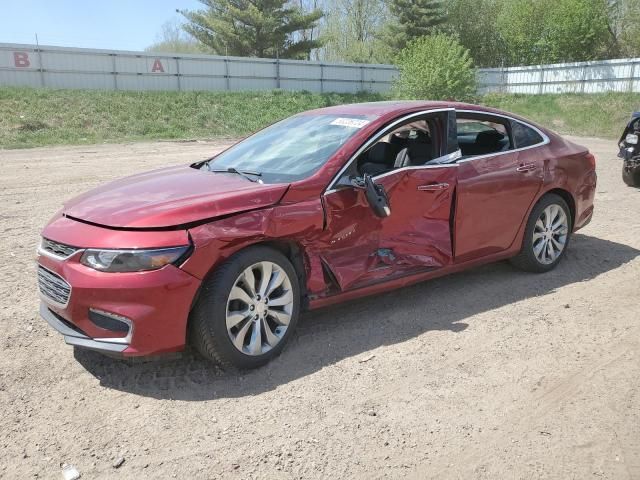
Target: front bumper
(73, 336)
(155, 305)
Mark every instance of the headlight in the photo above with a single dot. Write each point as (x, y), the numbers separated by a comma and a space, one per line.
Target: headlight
(132, 260)
(631, 139)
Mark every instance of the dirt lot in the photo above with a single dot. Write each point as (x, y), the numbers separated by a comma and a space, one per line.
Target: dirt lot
(490, 374)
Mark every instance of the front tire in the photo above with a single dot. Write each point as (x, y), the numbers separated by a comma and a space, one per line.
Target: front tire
(247, 309)
(546, 236)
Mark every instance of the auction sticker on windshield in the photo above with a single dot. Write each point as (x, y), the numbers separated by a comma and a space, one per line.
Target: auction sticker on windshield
(350, 122)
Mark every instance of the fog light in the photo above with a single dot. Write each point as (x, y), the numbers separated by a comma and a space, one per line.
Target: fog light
(112, 322)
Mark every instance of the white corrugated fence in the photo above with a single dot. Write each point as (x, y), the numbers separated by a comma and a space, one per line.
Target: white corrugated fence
(62, 67)
(58, 67)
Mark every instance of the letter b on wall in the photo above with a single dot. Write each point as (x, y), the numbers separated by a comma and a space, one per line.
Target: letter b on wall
(21, 59)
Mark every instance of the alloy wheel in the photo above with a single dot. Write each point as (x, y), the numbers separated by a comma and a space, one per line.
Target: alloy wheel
(259, 308)
(550, 234)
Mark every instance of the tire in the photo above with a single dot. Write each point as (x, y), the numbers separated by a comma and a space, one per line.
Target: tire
(226, 296)
(631, 175)
(531, 257)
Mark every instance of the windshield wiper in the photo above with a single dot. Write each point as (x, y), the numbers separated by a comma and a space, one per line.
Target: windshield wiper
(242, 173)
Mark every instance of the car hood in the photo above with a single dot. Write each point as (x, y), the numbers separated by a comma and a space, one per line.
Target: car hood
(170, 197)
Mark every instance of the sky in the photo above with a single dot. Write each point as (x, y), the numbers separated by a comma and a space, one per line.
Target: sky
(109, 24)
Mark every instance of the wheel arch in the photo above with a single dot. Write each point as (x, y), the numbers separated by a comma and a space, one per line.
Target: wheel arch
(293, 250)
(567, 197)
(562, 193)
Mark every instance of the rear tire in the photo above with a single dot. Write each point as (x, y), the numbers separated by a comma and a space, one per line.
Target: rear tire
(546, 236)
(233, 323)
(631, 175)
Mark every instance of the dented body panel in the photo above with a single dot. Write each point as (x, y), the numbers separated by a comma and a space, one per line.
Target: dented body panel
(444, 218)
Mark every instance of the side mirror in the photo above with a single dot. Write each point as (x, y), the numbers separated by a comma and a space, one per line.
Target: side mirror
(377, 197)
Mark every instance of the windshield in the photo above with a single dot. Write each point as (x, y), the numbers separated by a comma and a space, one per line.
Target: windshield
(292, 149)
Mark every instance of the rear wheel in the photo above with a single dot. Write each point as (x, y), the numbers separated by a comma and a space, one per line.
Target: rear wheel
(631, 175)
(546, 236)
(247, 309)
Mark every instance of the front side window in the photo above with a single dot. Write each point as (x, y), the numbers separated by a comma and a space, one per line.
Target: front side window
(292, 149)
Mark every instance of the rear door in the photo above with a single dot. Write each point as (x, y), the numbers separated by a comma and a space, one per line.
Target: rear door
(495, 188)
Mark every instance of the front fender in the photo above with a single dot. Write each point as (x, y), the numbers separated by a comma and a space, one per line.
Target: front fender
(300, 223)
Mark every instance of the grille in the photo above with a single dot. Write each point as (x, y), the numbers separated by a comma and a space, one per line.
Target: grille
(53, 287)
(57, 249)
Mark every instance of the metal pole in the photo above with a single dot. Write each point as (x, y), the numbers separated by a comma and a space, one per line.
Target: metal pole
(321, 78)
(277, 69)
(177, 59)
(584, 78)
(632, 76)
(226, 73)
(114, 71)
(40, 61)
(541, 81)
(361, 78)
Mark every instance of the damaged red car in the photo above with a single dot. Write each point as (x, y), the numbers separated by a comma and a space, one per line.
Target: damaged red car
(322, 207)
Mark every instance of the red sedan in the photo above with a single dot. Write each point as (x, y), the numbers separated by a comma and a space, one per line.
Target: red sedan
(322, 207)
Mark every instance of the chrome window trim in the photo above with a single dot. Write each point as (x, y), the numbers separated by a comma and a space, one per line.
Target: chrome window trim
(375, 138)
(545, 138)
(50, 301)
(444, 159)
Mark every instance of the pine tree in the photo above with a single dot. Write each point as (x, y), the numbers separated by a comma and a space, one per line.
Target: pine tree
(253, 28)
(412, 19)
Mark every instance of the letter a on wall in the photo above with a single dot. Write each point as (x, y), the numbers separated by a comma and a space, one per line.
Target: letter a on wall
(21, 59)
(157, 66)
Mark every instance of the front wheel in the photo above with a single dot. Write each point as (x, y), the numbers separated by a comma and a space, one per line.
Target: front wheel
(546, 236)
(247, 310)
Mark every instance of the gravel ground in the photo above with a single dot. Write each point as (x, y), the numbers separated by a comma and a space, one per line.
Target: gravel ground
(490, 374)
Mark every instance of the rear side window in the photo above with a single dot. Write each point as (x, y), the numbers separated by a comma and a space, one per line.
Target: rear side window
(524, 136)
(479, 134)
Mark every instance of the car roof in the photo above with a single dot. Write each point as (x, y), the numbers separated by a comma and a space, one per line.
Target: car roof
(393, 108)
(390, 107)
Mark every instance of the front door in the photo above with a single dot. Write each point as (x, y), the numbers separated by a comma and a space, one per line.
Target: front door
(364, 249)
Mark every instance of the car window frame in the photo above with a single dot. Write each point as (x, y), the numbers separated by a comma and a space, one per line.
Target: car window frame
(447, 160)
(545, 137)
(525, 125)
(481, 117)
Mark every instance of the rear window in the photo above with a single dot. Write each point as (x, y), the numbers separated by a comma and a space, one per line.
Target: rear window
(524, 136)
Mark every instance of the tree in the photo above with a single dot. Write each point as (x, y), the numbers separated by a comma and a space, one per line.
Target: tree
(350, 31)
(173, 39)
(548, 31)
(624, 27)
(411, 19)
(436, 67)
(253, 28)
(478, 32)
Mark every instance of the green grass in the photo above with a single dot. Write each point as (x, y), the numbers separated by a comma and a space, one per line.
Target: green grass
(601, 115)
(37, 117)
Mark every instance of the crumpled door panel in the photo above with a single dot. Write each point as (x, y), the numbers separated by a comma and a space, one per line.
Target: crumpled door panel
(364, 249)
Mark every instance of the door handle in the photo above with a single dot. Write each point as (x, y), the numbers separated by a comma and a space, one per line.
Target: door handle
(433, 187)
(527, 167)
